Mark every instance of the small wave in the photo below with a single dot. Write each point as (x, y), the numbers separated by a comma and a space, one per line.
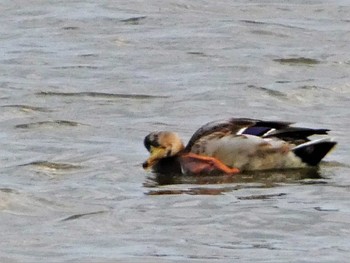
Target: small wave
(77, 67)
(7, 190)
(191, 191)
(322, 209)
(309, 87)
(52, 165)
(298, 61)
(73, 217)
(100, 95)
(260, 197)
(27, 108)
(70, 28)
(274, 93)
(133, 20)
(255, 22)
(267, 33)
(197, 53)
(54, 123)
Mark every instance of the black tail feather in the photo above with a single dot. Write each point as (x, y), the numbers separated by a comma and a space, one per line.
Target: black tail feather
(312, 153)
(295, 134)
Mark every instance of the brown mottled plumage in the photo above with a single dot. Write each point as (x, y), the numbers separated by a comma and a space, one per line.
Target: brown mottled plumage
(224, 147)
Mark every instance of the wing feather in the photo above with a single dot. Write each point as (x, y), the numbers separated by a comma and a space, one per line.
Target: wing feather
(236, 126)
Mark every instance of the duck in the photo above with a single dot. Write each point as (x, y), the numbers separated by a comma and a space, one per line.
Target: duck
(234, 145)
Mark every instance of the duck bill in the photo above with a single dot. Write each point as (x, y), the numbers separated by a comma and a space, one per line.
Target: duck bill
(148, 163)
(157, 153)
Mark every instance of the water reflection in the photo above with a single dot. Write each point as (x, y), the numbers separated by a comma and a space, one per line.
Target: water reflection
(225, 183)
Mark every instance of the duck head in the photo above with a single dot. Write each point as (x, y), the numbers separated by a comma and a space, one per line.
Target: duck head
(161, 145)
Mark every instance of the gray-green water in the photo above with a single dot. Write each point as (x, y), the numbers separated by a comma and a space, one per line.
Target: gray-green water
(81, 84)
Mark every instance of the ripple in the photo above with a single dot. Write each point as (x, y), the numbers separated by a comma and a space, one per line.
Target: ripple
(133, 20)
(267, 33)
(192, 191)
(255, 22)
(252, 22)
(27, 108)
(274, 93)
(77, 216)
(321, 209)
(100, 95)
(52, 165)
(70, 28)
(51, 124)
(7, 190)
(298, 61)
(77, 67)
(197, 53)
(260, 197)
(309, 87)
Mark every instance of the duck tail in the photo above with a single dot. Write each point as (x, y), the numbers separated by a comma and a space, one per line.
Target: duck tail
(313, 152)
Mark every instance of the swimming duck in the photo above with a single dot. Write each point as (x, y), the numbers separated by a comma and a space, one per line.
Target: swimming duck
(236, 145)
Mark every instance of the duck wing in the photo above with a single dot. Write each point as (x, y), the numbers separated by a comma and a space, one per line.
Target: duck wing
(260, 128)
(237, 126)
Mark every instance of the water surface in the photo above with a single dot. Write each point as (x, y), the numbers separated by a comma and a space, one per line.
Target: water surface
(82, 82)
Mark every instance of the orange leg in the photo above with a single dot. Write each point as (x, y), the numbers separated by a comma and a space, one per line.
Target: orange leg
(198, 164)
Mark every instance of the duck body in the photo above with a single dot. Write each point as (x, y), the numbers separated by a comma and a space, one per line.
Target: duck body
(249, 152)
(237, 144)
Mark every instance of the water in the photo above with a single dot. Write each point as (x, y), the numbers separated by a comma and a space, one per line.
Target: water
(82, 82)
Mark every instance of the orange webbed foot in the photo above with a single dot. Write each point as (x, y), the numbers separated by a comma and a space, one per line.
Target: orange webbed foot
(196, 164)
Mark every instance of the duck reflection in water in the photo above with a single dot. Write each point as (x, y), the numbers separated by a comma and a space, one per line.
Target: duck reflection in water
(216, 185)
